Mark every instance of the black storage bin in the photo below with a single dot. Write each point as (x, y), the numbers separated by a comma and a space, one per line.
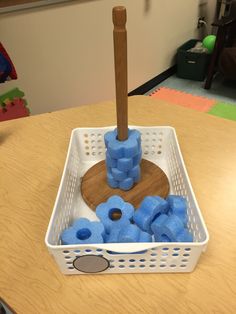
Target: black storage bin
(191, 65)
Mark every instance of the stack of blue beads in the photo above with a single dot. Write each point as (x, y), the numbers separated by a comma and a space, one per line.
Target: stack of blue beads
(123, 159)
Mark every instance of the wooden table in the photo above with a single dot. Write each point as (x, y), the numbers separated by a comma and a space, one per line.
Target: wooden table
(33, 152)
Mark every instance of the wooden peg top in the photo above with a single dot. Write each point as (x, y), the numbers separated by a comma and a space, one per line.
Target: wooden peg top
(119, 16)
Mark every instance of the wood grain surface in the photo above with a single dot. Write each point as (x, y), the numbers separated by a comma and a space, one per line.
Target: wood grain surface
(33, 152)
(95, 190)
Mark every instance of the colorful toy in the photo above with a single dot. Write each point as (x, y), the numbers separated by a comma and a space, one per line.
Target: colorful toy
(209, 42)
(13, 105)
(83, 231)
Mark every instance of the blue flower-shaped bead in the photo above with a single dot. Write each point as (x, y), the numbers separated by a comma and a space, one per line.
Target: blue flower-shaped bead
(114, 213)
(111, 181)
(83, 231)
(110, 162)
(126, 184)
(150, 208)
(168, 227)
(132, 233)
(137, 158)
(178, 207)
(112, 237)
(123, 149)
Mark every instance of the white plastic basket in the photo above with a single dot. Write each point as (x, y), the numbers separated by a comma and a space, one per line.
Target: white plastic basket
(159, 145)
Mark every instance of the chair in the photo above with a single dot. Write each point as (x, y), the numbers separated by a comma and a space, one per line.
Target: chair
(225, 37)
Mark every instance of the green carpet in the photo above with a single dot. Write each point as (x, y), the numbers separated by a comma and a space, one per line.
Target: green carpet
(224, 110)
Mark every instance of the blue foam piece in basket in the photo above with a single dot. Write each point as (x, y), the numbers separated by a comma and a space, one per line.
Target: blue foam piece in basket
(111, 181)
(169, 227)
(145, 237)
(83, 231)
(137, 158)
(119, 149)
(178, 207)
(149, 209)
(118, 175)
(114, 204)
(126, 184)
(184, 236)
(134, 172)
(132, 233)
(124, 164)
(110, 162)
(112, 237)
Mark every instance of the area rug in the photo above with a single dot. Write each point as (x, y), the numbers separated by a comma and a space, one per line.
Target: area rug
(203, 104)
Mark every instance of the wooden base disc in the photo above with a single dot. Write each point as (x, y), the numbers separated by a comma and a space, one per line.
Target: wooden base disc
(95, 190)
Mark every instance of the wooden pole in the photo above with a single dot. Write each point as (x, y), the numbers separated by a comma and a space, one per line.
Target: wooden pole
(120, 59)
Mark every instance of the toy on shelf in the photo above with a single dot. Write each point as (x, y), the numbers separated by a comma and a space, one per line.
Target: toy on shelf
(13, 105)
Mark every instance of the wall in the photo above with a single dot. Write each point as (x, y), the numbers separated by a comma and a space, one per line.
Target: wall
(64, 53)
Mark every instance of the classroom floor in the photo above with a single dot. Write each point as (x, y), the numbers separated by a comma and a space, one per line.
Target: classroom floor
(221, 89)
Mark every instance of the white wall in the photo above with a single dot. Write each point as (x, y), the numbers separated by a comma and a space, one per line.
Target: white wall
(64, 53)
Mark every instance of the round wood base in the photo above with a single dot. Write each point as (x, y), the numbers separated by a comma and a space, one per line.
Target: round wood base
(95, 190)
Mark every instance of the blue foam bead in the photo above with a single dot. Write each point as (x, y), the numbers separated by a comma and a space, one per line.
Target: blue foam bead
(164, 238)
(178, 207)
(109, 136)
(128, 148)
(129, 234)
(112, 237)
(124, 164)
(157, 224)
(115, 149)
(131, 148)
(134, 172)
(110, 162)
(149, 209)
(164, 206)
(137, 158)
(126, 184)
(114, 204)
(111, 181)
(83, 231)
(145, 237)
(177, 204)
(118, 175)
(171, 227)
(137, 178)
(184, 236)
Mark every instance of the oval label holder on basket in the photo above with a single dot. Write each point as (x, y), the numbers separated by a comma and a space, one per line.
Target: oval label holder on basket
(91, 263)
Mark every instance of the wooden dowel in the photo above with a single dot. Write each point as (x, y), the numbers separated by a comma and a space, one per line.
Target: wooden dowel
(120, 59)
